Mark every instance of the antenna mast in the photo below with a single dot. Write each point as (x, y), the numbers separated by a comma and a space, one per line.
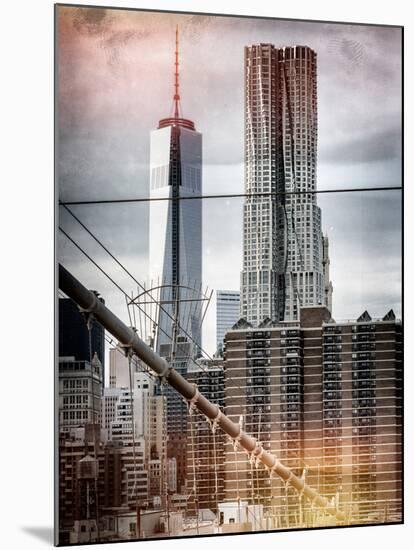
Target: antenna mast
(177, 79)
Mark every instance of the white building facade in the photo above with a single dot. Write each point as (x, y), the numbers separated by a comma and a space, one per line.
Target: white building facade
(175, 232)
(148, 411)
(80, 392)
(227, 313)
(283, 246)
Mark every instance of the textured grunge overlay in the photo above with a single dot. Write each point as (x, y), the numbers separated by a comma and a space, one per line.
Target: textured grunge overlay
(133, 462)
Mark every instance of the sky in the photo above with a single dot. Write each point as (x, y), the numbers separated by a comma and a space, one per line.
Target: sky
(115, 82)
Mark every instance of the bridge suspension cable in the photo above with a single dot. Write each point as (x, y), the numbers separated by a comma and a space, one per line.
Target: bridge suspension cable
(231, 195)
(181, 348)
(141, 309)
(183, 330)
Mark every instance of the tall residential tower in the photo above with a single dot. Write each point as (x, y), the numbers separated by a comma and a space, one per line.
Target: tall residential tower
(283, 246)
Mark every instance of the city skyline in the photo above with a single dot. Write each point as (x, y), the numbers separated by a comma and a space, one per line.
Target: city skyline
(367, 69)
(296, 423)
(349, 449)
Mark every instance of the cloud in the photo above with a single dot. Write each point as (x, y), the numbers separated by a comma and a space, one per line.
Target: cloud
(122, 228)
(110, 164)
(376, 144)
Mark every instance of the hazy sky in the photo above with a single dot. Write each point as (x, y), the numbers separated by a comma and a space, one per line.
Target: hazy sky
(115, 75)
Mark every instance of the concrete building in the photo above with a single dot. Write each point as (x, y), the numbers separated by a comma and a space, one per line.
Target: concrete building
(75, 509)
(172, 475)
(80, 392)
(157, 487)
(325, 397)
(110, 399)
(124, 426)
(125, 525)
(241, 516)
(362, 393)
(148, 423)
(227, 314)
(205, 449)
(116, 480)
(119, 368)
(282, 246)
(149, 408)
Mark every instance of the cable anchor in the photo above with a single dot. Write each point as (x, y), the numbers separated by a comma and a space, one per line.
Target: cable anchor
(162, 377)
(315, 498)
(288, 480)
(272, 469)
(235, 441)
(257, 455)
(192, 402)
(213, 422)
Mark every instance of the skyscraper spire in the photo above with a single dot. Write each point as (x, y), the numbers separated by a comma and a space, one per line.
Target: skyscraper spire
(176, 113)
(177, 79)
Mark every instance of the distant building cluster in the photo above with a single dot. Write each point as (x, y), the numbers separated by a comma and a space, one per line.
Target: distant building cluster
(112, 442)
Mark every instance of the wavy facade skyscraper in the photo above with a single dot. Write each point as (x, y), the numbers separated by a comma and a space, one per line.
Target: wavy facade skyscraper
(283, 261)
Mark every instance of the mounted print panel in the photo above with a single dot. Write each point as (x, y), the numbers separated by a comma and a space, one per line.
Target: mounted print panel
(229, 291)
